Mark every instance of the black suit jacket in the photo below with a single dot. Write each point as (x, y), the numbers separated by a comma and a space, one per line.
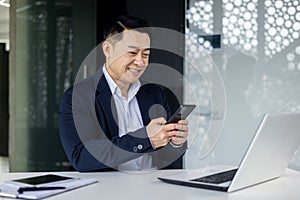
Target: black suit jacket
(90, 135)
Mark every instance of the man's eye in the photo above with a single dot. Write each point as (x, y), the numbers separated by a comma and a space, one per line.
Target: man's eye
(146, 55)
(132, 53)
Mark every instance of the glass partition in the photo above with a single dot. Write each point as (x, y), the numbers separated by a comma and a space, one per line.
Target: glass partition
(259, 62)
(43, 72)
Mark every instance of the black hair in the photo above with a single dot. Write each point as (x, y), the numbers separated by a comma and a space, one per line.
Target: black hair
(122, 22)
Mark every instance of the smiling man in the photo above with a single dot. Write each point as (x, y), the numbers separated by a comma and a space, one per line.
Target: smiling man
(121, 124)
(127, 59)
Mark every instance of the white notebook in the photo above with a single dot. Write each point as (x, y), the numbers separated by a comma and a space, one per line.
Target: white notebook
(40, 187)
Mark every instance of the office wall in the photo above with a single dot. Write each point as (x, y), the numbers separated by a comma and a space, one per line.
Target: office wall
(167, 14)
(259, 62)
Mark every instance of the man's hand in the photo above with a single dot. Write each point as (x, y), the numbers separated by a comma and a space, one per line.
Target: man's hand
(160, 133)
(180, 133)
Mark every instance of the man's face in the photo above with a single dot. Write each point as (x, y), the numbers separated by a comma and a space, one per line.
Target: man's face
(129, 57)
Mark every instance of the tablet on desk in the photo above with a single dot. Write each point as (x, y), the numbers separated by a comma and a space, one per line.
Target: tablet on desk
(37, 180)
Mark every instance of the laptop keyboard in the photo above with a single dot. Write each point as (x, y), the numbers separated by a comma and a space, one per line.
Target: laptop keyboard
(217, 178)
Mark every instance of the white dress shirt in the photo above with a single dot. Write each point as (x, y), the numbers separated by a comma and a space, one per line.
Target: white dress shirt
(129, 119)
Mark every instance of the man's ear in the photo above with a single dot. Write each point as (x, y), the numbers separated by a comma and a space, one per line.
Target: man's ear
(107, 48)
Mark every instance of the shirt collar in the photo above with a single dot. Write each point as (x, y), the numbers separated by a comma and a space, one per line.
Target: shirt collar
(134, 87)
(111, 83)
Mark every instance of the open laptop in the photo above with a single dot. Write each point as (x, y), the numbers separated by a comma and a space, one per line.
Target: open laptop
(266, 158)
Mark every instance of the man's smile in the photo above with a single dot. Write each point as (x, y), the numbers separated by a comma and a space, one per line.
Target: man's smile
(134, 70)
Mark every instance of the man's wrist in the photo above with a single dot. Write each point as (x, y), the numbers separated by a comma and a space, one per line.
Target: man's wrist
(149, 137)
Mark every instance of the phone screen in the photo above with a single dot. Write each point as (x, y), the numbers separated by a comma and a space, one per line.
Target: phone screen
(42, 179)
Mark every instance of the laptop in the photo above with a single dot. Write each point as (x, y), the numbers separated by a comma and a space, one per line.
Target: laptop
(266, 158)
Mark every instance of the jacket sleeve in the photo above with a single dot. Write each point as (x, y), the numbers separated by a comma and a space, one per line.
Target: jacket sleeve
(166, 157)
(84, 141)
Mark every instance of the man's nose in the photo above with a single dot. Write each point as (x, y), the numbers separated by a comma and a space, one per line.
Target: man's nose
(138, 60)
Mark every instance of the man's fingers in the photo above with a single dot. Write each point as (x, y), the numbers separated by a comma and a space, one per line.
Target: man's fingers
(159, 121)
(179, 134)
(183, 128)
(183, 122)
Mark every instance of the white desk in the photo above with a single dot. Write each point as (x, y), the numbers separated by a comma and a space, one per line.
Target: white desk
(132, 186)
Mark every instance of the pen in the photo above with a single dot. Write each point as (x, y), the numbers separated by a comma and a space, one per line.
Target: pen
(24, 189)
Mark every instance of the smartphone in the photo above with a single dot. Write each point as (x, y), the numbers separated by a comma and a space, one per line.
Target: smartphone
(181, 113)
(49, 178)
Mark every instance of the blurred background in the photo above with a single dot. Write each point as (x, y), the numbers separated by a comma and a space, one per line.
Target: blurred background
(248, 52)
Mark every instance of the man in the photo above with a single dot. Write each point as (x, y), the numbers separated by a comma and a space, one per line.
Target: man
(111, 120)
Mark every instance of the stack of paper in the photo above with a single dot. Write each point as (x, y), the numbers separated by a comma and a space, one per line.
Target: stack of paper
(12, 188)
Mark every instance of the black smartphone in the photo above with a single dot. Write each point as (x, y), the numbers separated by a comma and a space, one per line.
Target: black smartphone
(181, 113)
(42, 179)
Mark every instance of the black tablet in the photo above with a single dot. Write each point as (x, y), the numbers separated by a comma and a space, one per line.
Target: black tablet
(36, 180)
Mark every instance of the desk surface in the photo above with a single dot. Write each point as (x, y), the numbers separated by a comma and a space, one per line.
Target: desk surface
(123, 186)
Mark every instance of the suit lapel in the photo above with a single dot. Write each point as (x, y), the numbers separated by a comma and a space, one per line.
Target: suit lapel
(145, 100)
(151, 103)
(106, 108)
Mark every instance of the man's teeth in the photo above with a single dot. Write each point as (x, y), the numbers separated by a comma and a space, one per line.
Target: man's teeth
(134, 70)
